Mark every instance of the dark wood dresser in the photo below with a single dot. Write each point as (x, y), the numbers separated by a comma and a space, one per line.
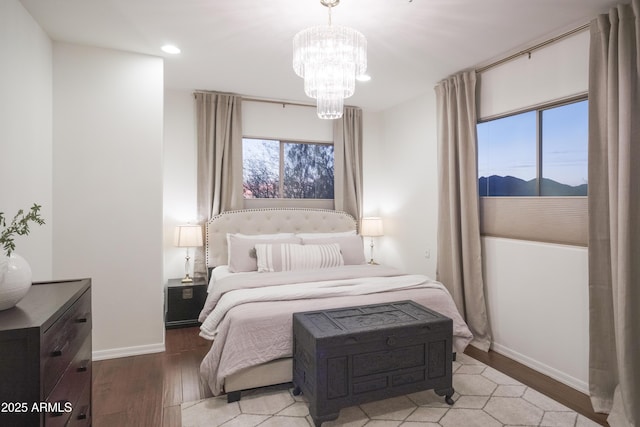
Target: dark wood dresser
(348, 356)
(45, 357)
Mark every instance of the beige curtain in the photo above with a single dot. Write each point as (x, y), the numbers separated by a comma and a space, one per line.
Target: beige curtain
(219, 164)
(459, 265)
(347, 134)
(614, 215)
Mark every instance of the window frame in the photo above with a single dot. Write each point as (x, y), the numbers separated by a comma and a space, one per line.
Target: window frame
(538, 110)
(284, 201)
(548, 219)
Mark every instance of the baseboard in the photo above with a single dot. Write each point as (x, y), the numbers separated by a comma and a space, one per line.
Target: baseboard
(542, 368)
(114, 353)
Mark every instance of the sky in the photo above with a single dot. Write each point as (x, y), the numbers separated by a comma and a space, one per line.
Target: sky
(507, 146)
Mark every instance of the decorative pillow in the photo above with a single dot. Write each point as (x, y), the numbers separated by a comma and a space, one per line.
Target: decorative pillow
(241, 250)
(289, 256)
(325, 235)
(350, 246)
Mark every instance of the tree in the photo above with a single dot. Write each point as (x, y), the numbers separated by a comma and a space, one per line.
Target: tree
(308, 171)
(260, 168)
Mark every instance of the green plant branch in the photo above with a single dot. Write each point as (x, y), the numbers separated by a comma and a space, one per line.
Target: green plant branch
(19, 226)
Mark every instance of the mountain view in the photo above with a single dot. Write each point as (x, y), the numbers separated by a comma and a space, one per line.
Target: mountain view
(511, 186)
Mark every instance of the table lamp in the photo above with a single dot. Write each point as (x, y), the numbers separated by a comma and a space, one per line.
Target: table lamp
(188, 236)
(371, 227)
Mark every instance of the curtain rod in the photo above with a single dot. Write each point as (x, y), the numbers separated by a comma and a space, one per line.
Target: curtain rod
(274, 101)
(532, 48)
(283, 103)
(254, 99)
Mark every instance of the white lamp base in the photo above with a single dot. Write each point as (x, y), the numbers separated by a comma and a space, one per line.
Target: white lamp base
(371, 261)
(187, 278)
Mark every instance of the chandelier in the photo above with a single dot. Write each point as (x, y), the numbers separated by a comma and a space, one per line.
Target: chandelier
(329, 57)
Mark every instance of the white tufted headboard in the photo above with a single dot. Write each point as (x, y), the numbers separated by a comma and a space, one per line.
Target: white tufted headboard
(269, 221)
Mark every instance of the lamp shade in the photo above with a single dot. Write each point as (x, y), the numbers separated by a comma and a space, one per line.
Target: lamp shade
(371, 227)
(188, 236)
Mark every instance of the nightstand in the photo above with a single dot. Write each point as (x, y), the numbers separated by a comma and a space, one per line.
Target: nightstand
(183, 302)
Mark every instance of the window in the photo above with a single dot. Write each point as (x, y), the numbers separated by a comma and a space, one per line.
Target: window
(536, 153)
(287, 169)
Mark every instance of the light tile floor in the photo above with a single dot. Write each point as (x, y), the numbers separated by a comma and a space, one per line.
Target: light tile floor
(484, 397)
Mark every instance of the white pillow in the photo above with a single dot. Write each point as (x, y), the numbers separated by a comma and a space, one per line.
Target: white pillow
(252, 237)
(241, 250)
(351, 247)
(325, 235)
(291, 256)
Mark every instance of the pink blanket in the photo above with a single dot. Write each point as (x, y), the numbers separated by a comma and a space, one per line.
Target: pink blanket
(250, 314)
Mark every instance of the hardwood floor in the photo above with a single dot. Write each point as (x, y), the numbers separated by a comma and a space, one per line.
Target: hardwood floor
(147, 391)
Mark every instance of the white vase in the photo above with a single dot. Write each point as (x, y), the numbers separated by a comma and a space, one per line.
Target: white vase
(15, 280)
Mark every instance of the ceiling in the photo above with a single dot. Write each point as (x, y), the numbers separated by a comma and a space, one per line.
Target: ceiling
(244, 46)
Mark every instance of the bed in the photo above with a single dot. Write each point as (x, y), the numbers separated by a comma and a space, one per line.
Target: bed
(266, 264)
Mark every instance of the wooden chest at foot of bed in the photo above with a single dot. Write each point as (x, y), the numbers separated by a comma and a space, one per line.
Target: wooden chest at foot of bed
(348, 356)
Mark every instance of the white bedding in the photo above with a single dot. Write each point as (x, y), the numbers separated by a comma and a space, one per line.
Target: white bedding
(249, 315)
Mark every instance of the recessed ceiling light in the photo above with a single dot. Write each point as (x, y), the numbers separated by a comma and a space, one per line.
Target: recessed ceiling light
(169, 48)
(363, 78)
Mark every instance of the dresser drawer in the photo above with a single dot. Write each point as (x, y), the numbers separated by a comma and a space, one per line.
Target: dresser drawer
(69, 390)
(81, 415)
(63, 339)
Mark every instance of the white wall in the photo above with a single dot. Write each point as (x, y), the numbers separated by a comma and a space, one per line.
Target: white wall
(557, 71)
(406, 181)
(25, 130)
(538, 297)
(288, 122)
(88, 173)
(179, 172)
(107, 187)
(372, 162)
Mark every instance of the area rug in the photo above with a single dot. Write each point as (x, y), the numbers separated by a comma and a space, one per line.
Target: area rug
(484, 398)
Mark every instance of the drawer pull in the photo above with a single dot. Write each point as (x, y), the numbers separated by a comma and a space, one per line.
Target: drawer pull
(391, 341)
(83, 319)
(58, 351)
(83, 413)
(84, 367)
